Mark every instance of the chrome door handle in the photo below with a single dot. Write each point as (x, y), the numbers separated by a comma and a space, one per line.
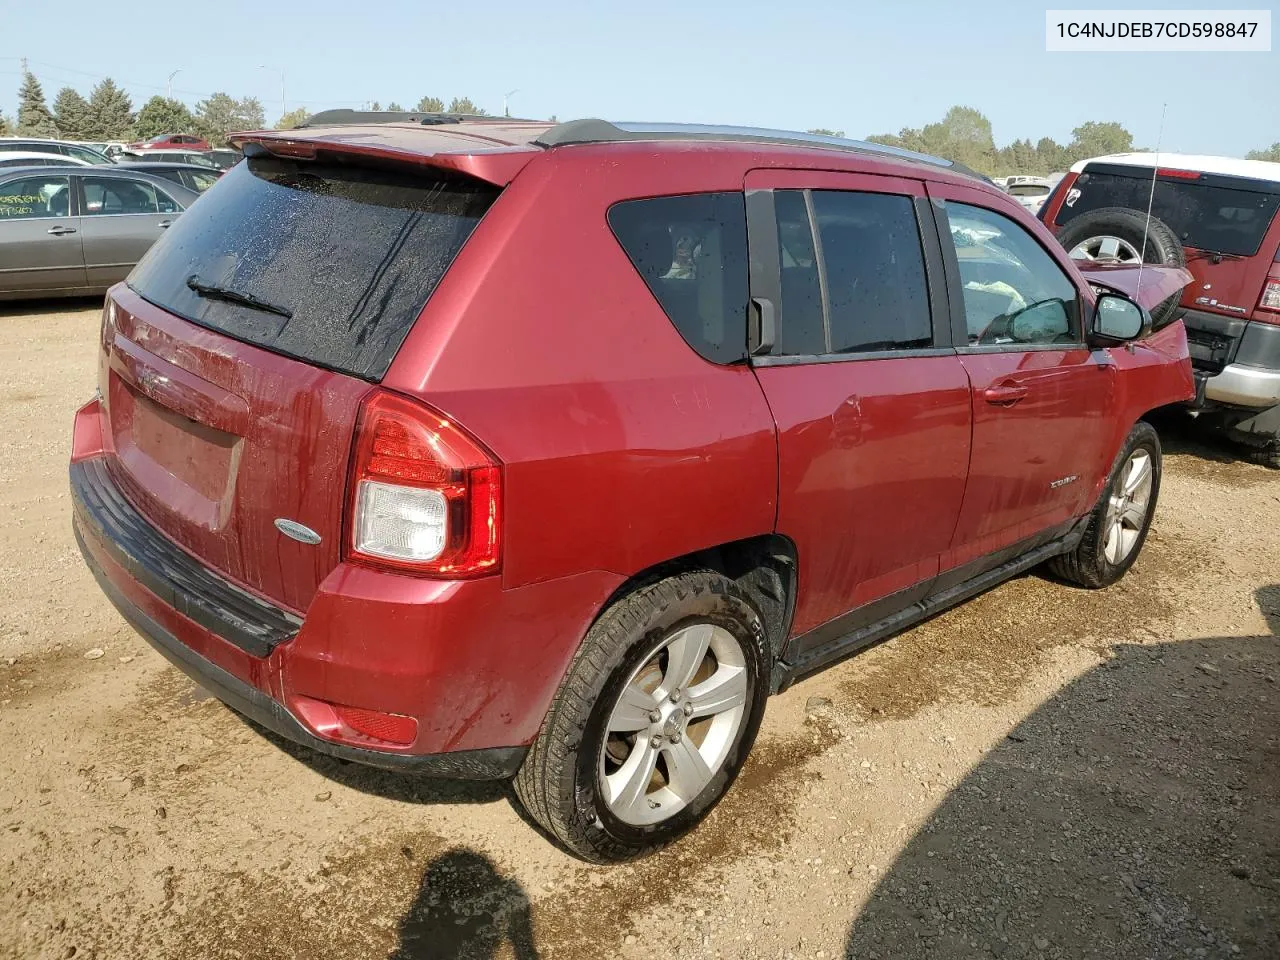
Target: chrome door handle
(164, 224)
(59, 231)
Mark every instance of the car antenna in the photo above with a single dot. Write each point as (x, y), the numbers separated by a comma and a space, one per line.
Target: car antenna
(1151, 199)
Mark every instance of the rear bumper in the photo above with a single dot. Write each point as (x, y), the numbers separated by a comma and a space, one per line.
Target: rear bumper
(1244, 386)
(491, 764)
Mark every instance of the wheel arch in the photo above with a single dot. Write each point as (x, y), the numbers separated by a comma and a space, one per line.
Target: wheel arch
(764, 566)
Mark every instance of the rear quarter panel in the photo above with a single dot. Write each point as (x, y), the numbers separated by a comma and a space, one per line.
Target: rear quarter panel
(621, 447)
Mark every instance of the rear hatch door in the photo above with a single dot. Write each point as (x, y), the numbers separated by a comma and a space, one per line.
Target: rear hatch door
(236, 357)
(1221, 220)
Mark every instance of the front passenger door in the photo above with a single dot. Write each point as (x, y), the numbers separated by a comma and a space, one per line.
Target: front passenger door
(1040, 394)
(122, 218)
(40, 244)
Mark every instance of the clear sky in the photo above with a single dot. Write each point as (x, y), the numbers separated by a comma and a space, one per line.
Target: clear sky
(859, 67)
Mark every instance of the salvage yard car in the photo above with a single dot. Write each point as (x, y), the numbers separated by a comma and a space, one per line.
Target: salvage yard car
(74, 231)
(1218, 216)
(488, 448)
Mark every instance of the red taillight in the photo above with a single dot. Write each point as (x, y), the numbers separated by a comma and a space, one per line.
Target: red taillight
(388, 727)
(1270, 299)
(425, 497)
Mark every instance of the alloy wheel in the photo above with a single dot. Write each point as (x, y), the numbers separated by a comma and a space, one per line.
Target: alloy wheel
(673, 724)
(1128, 506)
(1106, 249)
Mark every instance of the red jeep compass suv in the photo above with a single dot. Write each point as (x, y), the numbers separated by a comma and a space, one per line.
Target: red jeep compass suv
(495, 448)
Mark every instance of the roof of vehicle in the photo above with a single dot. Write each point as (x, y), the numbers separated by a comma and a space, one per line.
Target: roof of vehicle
(36, 157)
(417, 135)
(105, 170)
(145, 165)
(1192, 162)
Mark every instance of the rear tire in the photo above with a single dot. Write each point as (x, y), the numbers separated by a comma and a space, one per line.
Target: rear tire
(623, 765)
(1083, 239)
(1116, 530)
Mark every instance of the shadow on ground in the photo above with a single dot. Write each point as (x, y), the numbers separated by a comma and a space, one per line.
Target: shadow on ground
(466, 909)
(1181, 433)
(32, 308)
(1134, 815)
(389, 784)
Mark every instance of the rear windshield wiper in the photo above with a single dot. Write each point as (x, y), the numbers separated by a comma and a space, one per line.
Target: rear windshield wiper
(231, 296)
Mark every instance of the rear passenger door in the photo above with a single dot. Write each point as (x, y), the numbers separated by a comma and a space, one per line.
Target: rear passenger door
(122, 218)
(1040, 396)
(870, 400)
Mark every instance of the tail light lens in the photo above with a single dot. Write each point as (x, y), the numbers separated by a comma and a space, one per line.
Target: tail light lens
(425, 496)
(1270, 299)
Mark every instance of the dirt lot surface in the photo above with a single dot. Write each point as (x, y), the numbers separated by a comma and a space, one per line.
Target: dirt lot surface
(1043, 773)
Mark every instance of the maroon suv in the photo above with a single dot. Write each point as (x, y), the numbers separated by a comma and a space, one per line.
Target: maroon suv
(492, 449)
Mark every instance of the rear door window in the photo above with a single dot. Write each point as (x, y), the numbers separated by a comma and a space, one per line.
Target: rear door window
(1206, 216)
(692, 253)
(868, 264)
(104, 196)
(344, 257)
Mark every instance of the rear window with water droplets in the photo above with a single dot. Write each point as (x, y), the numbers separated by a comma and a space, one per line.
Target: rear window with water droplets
(345, 257)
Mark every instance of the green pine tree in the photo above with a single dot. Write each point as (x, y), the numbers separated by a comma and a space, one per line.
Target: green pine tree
(160, 115)
(71, 114)
(110, 112)
(395, 107)
(430, 105)
(34, 118)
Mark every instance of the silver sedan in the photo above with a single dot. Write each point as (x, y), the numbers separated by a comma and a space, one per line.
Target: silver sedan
(67, 232)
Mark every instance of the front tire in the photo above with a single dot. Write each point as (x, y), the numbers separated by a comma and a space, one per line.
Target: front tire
(653, 719)
(1120, 521)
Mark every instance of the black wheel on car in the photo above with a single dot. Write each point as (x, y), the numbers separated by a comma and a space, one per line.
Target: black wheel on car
(653, 719)
(1115, 235)
(1119, 523)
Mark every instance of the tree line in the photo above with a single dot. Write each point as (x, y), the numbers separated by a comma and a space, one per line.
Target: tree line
(108, 114)
(964, 136)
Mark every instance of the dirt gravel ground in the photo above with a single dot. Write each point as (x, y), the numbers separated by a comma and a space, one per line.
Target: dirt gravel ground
(1043, 773)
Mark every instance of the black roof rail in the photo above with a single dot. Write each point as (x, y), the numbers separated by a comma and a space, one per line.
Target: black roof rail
(602, 131)
(333, 118)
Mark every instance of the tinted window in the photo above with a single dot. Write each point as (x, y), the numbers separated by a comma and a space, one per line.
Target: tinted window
(33, 197)
(692, 253)
(198, 180)
(352, 254)
(116, 195)
(800, 327)
(84, 153)
(1217, 218)
(877, 295)
(42, 162)
(1014, 292)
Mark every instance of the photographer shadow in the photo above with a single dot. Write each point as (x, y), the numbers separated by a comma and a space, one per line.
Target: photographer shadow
(1132, 815)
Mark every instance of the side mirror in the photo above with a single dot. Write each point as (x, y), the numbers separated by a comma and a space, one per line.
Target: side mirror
(1118, 319)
